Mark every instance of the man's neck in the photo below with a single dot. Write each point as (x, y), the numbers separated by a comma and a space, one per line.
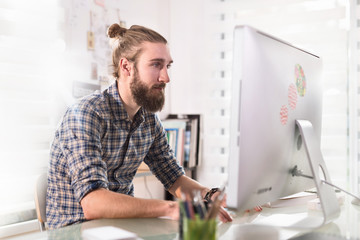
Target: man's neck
(130, 106)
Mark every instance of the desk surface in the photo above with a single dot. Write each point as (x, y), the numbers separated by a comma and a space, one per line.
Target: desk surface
(346, 225)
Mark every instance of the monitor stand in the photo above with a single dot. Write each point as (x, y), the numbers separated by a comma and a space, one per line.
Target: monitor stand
(327, 196)
(326, 193)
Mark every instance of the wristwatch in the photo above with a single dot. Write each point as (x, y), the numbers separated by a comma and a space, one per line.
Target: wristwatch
(209, 194)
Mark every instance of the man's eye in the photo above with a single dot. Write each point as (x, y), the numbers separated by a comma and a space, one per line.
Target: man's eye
(156, 65)
(168, 66)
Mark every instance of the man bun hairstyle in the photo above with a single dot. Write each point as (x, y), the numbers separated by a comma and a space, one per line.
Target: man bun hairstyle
(115, 31)
(127, 43)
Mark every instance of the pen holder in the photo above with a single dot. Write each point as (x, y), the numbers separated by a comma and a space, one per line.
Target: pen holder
(197, 229)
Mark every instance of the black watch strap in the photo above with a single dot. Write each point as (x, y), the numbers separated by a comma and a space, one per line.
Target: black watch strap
(209, 194)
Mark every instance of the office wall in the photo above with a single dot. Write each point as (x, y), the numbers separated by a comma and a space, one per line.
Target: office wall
(188, 45)
(197, 84)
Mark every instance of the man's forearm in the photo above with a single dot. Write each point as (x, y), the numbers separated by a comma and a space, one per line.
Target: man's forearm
(103, 203)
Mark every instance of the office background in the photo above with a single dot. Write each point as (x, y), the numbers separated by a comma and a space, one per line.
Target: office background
(47, 61)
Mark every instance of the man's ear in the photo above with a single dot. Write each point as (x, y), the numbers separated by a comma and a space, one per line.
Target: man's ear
(125, 67)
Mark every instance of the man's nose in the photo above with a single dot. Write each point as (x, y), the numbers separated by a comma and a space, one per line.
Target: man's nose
(164, 76)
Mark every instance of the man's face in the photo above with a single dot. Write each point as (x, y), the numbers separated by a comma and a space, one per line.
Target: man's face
(150, 76)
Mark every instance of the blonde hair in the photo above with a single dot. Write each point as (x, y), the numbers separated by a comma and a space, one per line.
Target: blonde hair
(127, 43)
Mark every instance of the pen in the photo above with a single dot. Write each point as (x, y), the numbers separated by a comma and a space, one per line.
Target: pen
(190, 206)
(199, 205)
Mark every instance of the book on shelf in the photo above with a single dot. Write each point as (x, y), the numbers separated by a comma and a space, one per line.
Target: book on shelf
(184, 141)
(175, 131)
(173, 136)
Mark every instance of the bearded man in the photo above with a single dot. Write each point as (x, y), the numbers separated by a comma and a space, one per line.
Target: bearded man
(104, 138)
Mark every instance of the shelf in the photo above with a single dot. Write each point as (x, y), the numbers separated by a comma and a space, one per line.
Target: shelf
(143, 173)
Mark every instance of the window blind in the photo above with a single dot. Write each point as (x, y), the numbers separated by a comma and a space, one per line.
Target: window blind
(320, 26)
(354, 72)
(30, 40)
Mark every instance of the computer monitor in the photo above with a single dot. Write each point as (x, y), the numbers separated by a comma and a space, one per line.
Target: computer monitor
(276, 103)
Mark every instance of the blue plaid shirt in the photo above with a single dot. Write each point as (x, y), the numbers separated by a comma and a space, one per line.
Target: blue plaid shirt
(97, 146)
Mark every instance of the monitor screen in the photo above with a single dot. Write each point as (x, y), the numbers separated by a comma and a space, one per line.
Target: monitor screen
(273, 84)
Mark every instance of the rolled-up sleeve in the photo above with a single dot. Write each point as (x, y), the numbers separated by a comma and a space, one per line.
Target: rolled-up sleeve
(80, 141)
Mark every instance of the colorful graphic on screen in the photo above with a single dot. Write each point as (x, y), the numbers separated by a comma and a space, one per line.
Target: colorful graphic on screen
(292, 96)
(300, 80)
(299, 88)
(284, 114)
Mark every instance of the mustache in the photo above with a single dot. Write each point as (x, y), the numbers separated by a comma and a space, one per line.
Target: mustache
(160, 85)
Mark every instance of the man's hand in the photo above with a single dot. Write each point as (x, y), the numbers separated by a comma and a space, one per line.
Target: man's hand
(224, 216)
(258, 208)
(174, 211)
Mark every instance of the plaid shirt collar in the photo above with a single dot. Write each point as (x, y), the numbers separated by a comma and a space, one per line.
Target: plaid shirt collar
(118, 108)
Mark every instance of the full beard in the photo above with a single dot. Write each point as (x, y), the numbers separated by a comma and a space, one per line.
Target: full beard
(151, 99)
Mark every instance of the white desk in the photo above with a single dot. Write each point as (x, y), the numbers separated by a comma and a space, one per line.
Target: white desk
(346, 225)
